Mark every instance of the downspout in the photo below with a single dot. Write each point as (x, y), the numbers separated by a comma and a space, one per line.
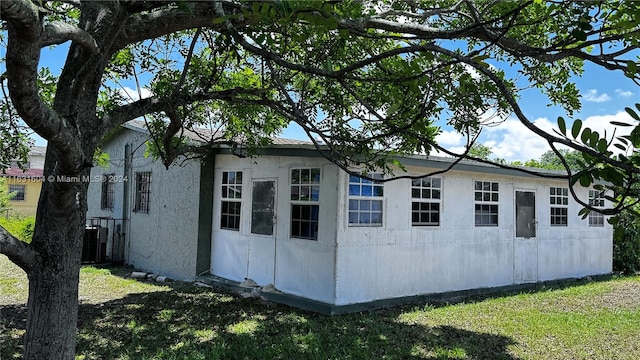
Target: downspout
(125, 199)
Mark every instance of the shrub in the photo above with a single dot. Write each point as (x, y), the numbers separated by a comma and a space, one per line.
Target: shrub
(626, 242)
(20, 227)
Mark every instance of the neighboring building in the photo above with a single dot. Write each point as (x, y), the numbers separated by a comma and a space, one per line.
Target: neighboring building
(26, 184)
(293, 219)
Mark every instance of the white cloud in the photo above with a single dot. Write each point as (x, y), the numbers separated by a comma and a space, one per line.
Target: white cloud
(513, 141)
(624, 94)
(602, 123)
(592, 96)
(132, 94)
(449, 138)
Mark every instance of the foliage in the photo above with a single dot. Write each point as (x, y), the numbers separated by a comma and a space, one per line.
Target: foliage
(5, 196)
(480, 151)
(626, 242)
(21, 227)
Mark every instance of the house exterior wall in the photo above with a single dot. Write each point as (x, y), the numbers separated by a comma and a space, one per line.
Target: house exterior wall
(31, 180)
(398, 259)
(28, 206)
(165, 239)
(295, 266)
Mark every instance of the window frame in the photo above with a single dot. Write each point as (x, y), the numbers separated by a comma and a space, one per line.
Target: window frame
(108, 192)
(558, 202)
(143, 192)
(596, 199)
(488, 207)
(418, 191)
(304, 195)
(355, 202)
(231, 198)
(22, 191)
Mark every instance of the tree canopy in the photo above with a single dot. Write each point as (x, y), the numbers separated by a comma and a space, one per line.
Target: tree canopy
(368, 80)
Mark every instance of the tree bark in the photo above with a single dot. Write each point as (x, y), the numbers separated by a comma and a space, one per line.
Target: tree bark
(53, 281)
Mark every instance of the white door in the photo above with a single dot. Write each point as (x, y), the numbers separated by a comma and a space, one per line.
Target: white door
(262, 244)
(525, 245)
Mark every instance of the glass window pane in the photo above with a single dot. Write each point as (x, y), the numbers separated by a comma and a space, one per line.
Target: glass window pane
(367, 190)
(365, 218)
(353, 217)
(353, 204)
(416, 182)
(376, 218)
(478, 185)
(435, 194)
(426, 182)
(315, 193)
(376, 205)
(494, 186)
(354, 190)
(415, 193)
(494, 197)
(315, 176)
(426, 194)
(295, 176)
(378, 191)
(225, 176)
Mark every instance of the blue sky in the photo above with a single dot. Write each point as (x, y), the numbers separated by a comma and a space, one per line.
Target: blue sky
(604, 93)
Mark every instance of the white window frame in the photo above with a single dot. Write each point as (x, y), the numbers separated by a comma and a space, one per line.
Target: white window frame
(596, 199)
(486, 202)
(426, 192)
(305, 193)
(362, 204)
(558, 202)
(231, 195)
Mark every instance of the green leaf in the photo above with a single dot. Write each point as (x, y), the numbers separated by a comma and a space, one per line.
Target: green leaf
(586, 134)
(562, 125)
(576, 127)
(618, 123)
(579, 35)
(586, 179)
(631, 112)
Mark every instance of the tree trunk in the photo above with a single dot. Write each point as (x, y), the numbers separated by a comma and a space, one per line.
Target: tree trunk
(53, 281)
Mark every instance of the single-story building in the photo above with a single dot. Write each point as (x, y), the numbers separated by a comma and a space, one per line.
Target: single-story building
(291, 218)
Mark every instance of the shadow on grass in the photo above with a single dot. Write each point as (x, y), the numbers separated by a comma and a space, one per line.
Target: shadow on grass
(193, 323)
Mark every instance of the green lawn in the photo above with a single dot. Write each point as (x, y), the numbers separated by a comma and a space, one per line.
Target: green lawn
(122, 318)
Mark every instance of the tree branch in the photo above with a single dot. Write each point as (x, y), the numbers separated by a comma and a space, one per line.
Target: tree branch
(170, 19)
(25, 29)
(19, 252)
(58, 32)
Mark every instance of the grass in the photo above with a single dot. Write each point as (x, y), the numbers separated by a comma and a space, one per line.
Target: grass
(121, 318)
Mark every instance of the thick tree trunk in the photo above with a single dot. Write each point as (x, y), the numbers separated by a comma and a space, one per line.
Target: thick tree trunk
(53, 281)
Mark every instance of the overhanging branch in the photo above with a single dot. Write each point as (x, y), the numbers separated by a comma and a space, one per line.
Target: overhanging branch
(58, 32)
(19, 252)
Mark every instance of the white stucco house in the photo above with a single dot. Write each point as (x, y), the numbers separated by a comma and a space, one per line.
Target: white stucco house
(291, 218)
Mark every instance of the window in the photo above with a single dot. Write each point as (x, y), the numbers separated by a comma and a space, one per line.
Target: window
(231, 200)
(559, 201)
(486, 203)
(25, 165)
(425, 206)
(19, 192)
(108, 185)
(305, 198)
(365, 200)
(596, 199)
(143, 191)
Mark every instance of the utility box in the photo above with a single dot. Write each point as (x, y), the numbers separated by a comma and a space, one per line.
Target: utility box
(94, 245)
